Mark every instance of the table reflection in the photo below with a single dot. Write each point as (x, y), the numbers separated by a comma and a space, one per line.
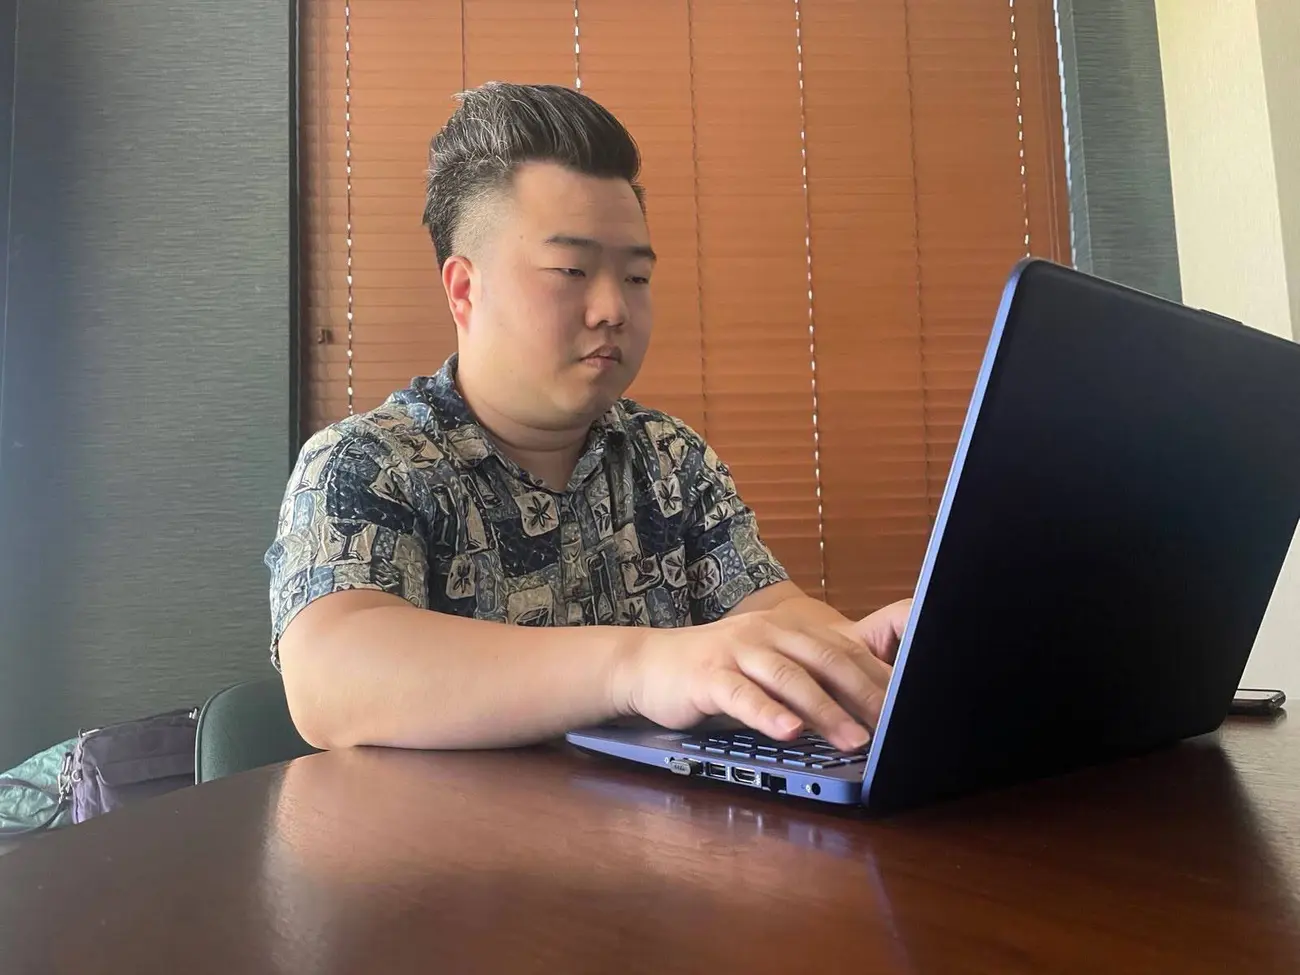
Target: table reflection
(538, 854)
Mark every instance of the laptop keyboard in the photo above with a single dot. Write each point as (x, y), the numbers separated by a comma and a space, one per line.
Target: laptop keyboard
(807, 751)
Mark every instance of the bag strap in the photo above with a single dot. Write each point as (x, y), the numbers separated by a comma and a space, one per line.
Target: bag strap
(25, 784)
(62, 798)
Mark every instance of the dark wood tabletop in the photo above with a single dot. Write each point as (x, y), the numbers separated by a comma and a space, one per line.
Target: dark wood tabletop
(548, 860)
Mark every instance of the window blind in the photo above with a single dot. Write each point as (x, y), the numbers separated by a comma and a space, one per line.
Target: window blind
(865, 297)
(635, 59)
(837, 189)
(758, 362)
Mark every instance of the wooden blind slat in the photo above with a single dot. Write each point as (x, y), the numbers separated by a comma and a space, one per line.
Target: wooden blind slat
(971, 205)
(862, 187)
(635, 60)
(1044, 129)
(525, 41)
(753, 269)
(392, 118)
(392, 257)
(324, 397)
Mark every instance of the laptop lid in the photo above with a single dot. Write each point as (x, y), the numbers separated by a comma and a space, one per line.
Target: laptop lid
(1125, 490)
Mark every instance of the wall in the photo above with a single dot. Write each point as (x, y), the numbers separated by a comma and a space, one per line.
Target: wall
(1279, 41)
(1233, 156)
(144, 404)
(1221, 157)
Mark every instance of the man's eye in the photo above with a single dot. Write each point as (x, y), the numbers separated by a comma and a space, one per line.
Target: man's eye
(638, 279)
(571, 272)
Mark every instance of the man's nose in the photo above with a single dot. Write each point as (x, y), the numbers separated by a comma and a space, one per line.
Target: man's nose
(606, 302)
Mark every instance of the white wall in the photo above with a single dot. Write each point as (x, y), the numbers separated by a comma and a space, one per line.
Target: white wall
(1227, 96)
(1279, 39)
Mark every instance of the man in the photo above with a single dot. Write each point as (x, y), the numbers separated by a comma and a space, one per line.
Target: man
(507, 549)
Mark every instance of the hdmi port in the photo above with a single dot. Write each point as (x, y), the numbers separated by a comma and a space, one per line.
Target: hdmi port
(745, 776)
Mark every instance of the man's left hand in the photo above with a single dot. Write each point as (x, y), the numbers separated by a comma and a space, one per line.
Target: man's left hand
(882, 631)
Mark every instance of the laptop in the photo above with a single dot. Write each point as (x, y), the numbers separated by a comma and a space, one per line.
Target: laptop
(1119, 506)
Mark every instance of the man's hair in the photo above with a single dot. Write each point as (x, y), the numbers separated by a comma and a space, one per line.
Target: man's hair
(499, 127)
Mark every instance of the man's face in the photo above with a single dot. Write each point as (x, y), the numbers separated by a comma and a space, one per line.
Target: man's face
(559, 317)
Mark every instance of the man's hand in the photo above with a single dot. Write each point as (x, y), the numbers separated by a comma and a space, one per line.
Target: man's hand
(882, 631)
(774, 671)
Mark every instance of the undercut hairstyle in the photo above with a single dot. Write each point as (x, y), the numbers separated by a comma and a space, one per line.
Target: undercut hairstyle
(497, 128)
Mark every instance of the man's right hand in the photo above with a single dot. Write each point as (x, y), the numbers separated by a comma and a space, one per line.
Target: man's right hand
(775, 674)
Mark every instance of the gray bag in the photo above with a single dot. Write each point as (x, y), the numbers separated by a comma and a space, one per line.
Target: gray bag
(103, 770)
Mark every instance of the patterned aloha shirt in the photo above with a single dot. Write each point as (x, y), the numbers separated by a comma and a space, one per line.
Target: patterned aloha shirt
(414, 499)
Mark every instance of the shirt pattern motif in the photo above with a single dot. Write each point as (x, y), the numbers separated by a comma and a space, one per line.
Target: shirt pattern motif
(414, 499)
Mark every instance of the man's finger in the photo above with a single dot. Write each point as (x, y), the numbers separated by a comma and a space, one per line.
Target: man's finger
(786, 681)
(736, 695)
(843, 667)
(882, 631)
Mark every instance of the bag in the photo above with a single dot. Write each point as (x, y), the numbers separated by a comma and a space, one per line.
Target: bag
(29, 793)
(99, 771)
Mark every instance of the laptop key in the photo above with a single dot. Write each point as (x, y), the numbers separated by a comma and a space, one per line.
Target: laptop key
(787, 760)
(692, 744)
(742, 752)
(762, 757)
(768, 749)
(716, 749)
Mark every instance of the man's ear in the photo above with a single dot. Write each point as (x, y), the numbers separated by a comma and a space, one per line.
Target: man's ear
(457, 278)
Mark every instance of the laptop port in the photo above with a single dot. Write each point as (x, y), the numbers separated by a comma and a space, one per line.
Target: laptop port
(745, 776)
(683, 766)
(776, 783)
(715, 770)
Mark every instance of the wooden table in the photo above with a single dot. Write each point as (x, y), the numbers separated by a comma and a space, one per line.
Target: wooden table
(550, 861)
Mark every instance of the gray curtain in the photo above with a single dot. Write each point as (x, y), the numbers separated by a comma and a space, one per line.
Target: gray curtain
(1121, 195)
(145, 378)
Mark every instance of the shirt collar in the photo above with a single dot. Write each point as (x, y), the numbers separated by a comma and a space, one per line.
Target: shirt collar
(469, 440)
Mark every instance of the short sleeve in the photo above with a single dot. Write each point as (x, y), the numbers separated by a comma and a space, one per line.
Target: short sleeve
(726, 558)
(346, 522)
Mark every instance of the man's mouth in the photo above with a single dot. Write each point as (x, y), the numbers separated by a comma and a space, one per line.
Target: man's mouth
(610, 352)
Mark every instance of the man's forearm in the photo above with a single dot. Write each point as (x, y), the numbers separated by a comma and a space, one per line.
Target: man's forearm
(365, 668)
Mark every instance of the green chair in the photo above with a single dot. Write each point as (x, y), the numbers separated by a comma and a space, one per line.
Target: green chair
(245, 726)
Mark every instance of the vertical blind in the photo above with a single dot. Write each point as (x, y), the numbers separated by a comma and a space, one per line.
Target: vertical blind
(837, 190)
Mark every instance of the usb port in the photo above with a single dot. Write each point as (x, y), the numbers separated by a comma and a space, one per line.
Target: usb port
(745, 776)
(715, 770)
(683, 766)
(774, 782)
